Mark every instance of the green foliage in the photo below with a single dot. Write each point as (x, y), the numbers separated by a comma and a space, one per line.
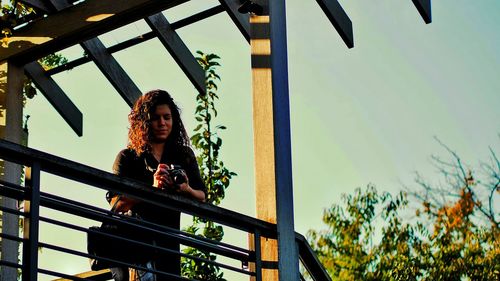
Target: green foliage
(368, 237)
(11, 15)
(48, 62)
(214, 173)
(52, 61)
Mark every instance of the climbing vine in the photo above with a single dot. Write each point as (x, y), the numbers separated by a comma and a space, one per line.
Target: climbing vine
(216, 176)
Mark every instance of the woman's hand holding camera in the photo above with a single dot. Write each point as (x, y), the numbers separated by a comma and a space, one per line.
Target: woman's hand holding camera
(161, 177)
(171, 177)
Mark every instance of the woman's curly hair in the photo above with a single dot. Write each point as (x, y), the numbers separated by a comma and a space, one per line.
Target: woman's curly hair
(140, 134)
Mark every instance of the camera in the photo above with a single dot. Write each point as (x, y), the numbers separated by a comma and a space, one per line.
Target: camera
(176, 174)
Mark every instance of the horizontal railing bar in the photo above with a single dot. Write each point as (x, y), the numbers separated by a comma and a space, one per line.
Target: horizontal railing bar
(73, 203)
(246, 258)
(9, 184)
(12, 211)
(12, 192)
(10, 264)
(86, 255)
(188, 241)
(140, 39)
(226, 250)
(12, 237)
(79, 228)
(310, 260)
(118, 262)
(107, 181)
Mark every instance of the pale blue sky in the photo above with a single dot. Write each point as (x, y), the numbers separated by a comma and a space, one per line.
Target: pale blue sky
(358, 116)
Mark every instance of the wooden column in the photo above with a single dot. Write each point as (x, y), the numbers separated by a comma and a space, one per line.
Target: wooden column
(11, 117)
(272, 144)
(265, 186)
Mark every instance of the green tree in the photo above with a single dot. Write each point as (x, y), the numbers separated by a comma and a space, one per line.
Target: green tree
(214, 173)
(454, 235)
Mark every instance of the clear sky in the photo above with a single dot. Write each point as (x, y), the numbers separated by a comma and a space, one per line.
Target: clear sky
(358, 116)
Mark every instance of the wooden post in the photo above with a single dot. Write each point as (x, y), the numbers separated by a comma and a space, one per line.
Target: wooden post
(265, 186)
(11, 117)
(272, 144)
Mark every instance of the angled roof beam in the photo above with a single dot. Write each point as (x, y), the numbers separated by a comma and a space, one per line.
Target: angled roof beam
(242, 21)
(83, 21)
(339, 19)
(59, 4)
(112, 70)
(55, 95)
(178, 50)
(424, 8)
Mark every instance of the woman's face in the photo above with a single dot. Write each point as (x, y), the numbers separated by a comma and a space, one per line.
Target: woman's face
(161, 123)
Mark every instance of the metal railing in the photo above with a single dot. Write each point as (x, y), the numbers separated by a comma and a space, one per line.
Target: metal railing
(37, 162)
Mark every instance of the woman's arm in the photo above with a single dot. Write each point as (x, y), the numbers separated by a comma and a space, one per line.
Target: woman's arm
(123, 205)
(191, 192)
(163, 180)
(123, 166)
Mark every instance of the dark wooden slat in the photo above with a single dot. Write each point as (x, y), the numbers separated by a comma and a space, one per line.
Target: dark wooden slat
(339, 19)
(198, 16)
(141, 38)
(424, 8)
(112, 70)
(80, 22)
(240, 20)
(60, 4)
(39, 5)
(55, 95)
(178, 50)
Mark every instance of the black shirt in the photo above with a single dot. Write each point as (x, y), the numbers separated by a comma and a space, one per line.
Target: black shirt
(129, 164)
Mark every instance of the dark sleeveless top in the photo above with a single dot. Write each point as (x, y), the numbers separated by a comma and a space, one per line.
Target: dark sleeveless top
(129, 164)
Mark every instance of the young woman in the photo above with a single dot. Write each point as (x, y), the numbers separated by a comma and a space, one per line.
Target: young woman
(157, 140)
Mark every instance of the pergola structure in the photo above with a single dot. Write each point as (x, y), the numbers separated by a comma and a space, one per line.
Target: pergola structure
(262, 23)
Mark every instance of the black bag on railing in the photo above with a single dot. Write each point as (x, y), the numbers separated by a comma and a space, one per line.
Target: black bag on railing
(104, 246)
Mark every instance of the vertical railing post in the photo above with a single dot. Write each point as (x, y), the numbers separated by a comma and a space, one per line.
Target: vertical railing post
(31, 224)
(258, 256)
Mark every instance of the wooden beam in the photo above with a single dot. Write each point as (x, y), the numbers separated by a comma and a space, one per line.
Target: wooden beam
(339, 19)
(39, 5)
(11, 120)
(60, 4)
(55, 95)
(112, 70)
(80, 22)
(424, 8)
(242, 21)
(178, 50)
